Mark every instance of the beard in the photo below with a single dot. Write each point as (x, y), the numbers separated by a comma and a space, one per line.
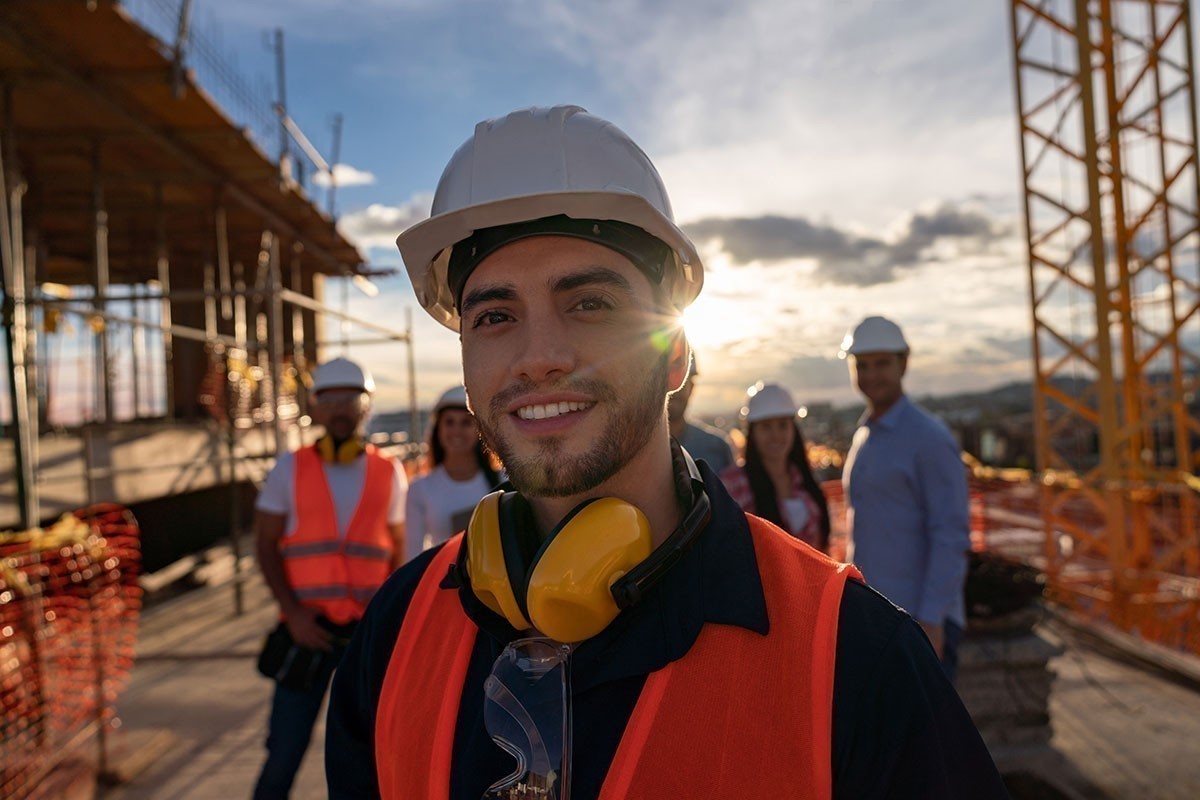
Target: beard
(551, 472)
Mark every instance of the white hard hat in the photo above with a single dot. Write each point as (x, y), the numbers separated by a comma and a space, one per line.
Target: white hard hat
(873, 335)
(537, 163)
(767, 401)
(454, 397)
(341, 373)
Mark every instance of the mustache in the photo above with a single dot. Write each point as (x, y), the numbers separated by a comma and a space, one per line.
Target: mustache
(593, 388)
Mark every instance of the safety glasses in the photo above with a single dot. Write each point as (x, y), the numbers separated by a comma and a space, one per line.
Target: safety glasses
(527, 711)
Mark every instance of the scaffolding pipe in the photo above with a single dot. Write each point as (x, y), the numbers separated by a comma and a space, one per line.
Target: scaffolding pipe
(15, 324)
(99, 301)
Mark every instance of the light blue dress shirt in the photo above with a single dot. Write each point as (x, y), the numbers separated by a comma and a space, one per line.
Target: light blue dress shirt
(706, 444)
(906, 498)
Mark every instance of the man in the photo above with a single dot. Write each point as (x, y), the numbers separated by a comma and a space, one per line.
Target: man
(703, 442)
(330, 529)
(906, 493)
(552, 250)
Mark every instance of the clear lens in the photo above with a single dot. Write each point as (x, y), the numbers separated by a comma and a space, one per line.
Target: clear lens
(527, 711)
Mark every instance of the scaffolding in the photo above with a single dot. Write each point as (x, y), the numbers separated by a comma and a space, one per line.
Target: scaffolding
(1107, 103)
(163, 278)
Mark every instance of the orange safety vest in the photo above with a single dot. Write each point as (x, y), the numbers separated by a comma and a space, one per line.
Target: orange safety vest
(336, 575)
(741, 715)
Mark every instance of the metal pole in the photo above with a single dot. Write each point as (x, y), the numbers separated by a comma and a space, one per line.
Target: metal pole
(281, 87)
(335, 154)
(413, 427)
(163, 263)
(101, 254)
(15, 322)
(180, 49)
(275, 340)
(299, 362)
(223, 261)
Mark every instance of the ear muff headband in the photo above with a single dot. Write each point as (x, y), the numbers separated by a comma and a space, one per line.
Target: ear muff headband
(344, 453)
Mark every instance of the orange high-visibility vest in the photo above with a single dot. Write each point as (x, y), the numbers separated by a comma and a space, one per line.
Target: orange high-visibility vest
(336, 575)
(741, 715)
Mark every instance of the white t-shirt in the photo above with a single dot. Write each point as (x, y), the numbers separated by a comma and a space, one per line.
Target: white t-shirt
(345, 484)
(796, 510)
(435, 500)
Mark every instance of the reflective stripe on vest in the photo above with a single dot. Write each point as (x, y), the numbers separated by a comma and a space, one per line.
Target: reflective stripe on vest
(335, 575)
(741, 715)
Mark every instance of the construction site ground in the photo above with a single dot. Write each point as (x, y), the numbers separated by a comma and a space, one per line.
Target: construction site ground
(194, 715)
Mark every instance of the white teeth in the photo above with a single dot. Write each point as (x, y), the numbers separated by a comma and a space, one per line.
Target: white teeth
(550, 409)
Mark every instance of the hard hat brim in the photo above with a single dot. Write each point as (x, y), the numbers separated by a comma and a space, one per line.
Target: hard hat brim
(425, 246)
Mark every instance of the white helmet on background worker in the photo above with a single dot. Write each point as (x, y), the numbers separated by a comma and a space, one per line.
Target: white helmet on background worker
(341, 373)
(539, 163)
(873, 335)
(768, 401)
(454, 397)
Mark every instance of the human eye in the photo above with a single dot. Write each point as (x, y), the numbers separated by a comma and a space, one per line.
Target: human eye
(593, 303)
(490, 318)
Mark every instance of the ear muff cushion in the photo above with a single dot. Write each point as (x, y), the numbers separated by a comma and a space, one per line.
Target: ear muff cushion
(568, 596)
(486, 563)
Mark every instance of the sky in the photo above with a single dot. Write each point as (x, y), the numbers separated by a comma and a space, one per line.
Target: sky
(830, 160)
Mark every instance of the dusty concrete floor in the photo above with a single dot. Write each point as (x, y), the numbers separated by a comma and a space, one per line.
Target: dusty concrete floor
(1125, 731)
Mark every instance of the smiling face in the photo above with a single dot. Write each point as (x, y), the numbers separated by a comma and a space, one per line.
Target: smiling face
(878, 378)
(566, 362)
(773, 438)
(342, 412)
(457, 432)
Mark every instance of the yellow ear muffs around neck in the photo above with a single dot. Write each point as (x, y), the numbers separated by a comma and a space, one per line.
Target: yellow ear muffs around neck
(563, 588)
(344, 453)
(569, 587)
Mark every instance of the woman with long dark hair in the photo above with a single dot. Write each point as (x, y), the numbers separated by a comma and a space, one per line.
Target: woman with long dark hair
(775, 480)
(440, 501)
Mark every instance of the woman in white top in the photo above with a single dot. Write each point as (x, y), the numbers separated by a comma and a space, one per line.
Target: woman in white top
(440, 502)
(775, 480)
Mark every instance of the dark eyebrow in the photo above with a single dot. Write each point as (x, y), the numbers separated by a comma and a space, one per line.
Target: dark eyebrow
(587, 277)
(486, 295)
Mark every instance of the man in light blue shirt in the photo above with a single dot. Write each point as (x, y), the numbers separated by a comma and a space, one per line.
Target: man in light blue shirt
(906, 493)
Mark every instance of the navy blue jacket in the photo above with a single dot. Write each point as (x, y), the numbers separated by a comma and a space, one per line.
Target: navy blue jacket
(899, 728)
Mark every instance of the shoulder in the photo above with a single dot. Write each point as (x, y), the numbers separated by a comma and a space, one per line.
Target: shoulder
(928, 426)
(737, 484)
(702, 431)
(387, 609)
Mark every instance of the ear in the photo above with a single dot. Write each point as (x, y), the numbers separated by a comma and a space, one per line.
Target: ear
(903, 364)
(680, 358)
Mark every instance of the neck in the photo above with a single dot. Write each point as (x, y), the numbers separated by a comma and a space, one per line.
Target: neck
(879, 409)
(647, 481)
(676, 426)
(460, 466)
(776, 467)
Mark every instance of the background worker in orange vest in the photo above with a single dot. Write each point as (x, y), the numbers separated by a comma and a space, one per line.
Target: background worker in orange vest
(711, 655)
(330, 529)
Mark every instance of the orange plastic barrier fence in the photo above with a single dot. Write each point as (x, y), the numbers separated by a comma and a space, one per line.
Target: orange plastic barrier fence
(69, 604)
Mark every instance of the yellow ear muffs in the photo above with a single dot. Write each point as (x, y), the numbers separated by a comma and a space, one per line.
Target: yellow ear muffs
(486, 567)
(344, 453)
(566, 592)
(569, 596)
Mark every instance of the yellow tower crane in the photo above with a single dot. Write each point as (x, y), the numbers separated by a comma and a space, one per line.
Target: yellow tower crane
(1107, 103)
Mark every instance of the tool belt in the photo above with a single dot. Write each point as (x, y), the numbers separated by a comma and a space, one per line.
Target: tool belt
(295, 667)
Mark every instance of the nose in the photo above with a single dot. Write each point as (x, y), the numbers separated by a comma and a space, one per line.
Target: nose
(545, 353)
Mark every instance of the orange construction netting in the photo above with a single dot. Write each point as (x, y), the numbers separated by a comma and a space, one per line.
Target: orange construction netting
(69, 604)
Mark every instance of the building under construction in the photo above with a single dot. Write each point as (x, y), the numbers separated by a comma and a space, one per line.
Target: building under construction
(163, 274)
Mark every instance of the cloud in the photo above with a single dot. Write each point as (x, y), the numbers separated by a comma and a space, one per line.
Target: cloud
(378, 225)
(345, 175)
(844, 257)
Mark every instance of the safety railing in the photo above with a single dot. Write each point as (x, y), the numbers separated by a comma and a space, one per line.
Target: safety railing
(69, 605)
